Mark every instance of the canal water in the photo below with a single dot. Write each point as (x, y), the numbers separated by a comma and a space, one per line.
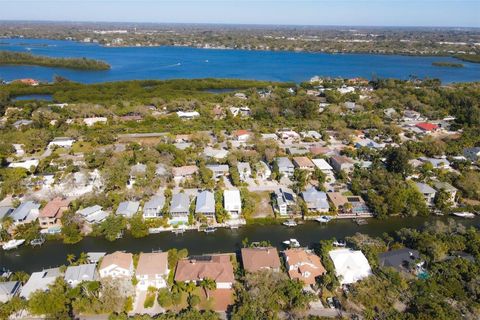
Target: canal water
(135, 63)
(54, 253)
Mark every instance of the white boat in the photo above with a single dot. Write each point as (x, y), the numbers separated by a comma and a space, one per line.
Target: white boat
(209, 230)
(178, 231)
(234, 226)
(292, 243)
(13, 244)
(290, 223)
(324, 219)
(339, 243)
(37, 242)
(464, 214)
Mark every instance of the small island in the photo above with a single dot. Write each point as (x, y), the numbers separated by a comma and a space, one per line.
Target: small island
(447, 64)
(473, 58)
(21, 58)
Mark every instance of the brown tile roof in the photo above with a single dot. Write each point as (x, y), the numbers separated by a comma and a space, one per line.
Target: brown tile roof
(222, 299)
(319, 150)
(184, 171)
(303, 265)
(255, 259)
(54, 208)
(218, 268)
(303, 162)
(337, 199)
(152, 263)
(121, 259)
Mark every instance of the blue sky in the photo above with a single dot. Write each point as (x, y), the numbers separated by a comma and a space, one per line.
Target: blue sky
(464, 13)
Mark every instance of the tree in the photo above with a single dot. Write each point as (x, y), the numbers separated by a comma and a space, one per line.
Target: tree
(208, 284)
(52, 303)
(397, 161)
(112, 227)
(70, 258)
(164, 298)
(138, 227)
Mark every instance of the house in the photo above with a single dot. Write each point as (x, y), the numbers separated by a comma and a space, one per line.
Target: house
(311, 134)
(94, 120)
(288, 134)
(22, 123)
(179, 208)
(472, 154)
(61, 142)
(411, 115)
(84, 272)
(50, 216)
(242, 135)
(205, 204)
(8, 290)
(297, 150)
(263, 170)
(285, 201)
(216, 154)
(153, 207)
(117, 265)
(427, 127)
(152, 270)
(218, 170)
(285, 166)
(427, 192)
(269, 136)
(93, 214)
(448, 188)
(323, 166)
(26, 164)
(5, 212)
(341, 163)
(28, 82)
(244, 170)
(350, 265)
(303, 163)
(19, 151)
(436, 163)
(216, 267)
(25, 212)
(318, 150)
(316, 200)
(232, 203)
(403, 260)
(136, 171)
(256, 259)
(368, 143)
(185, 172)
(303, 265)
(39, 281)
(188, 115)
(128, 208)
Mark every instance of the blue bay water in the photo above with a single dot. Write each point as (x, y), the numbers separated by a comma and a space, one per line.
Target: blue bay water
(130, 63)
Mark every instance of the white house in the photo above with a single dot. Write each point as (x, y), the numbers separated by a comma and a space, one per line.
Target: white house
(117, 265)
(92, 121)
(84, 272)
(188, 115)
(232, 203)
(350, 266)
(26, 164)
(152, 270)
(244, 170)
(62, 142)
(93, 214)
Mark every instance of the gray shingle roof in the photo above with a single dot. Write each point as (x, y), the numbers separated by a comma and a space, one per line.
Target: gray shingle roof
(83, 272)
(180, 203)
(205, 203)
(128, 208)
(23, 210)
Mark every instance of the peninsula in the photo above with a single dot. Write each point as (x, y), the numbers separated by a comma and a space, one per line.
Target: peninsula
(21, 58)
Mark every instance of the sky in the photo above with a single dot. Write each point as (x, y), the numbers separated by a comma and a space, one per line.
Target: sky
(448, 13)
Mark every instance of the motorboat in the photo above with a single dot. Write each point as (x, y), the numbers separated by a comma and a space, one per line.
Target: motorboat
(464, 215)
(324, 219)
(292, 243)
(209, 229)
(12, 244)
(37, 242)
(339, 243)
(290, 223)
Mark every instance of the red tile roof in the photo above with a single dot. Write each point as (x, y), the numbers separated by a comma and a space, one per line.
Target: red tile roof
(218, 268)
(425, 126)
(255, 259)
(54, 208)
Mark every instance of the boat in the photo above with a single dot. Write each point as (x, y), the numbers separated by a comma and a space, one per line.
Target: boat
(361, 222)
(178, 231)
(292, 243)
(234, 226)
(12, 244)
(290, 223)
(324, 219)
(339, 243)
(464, 215)
(37, 242)
(209, 229)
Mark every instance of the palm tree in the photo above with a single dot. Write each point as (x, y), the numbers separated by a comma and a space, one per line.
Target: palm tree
(83, 258)
(70, 258)
(208, 284)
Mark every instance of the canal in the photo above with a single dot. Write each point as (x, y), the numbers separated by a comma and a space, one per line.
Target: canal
(54, 253)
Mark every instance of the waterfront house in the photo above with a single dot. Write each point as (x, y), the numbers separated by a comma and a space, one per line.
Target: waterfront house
(39, 281)
(117, 265)
(285, 166)
(50, 216)
(303, 265)
(218, 170)
(427, 192)
(8, 290)
(185, 172)
(153, 207)
(205, 204)
(61, 142)
(26, 212)
(472, 154)
(315, 200)
(217, 267)
(232, 203)
(179, 208)
(284, 201)
(350, 265)
(448, 188)
(152, 270)
(403, 260)
(341, 163)
(128, 208)
(93, 214)
(244, 170)
(303, 163)
(84, 272)
(256, 259)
